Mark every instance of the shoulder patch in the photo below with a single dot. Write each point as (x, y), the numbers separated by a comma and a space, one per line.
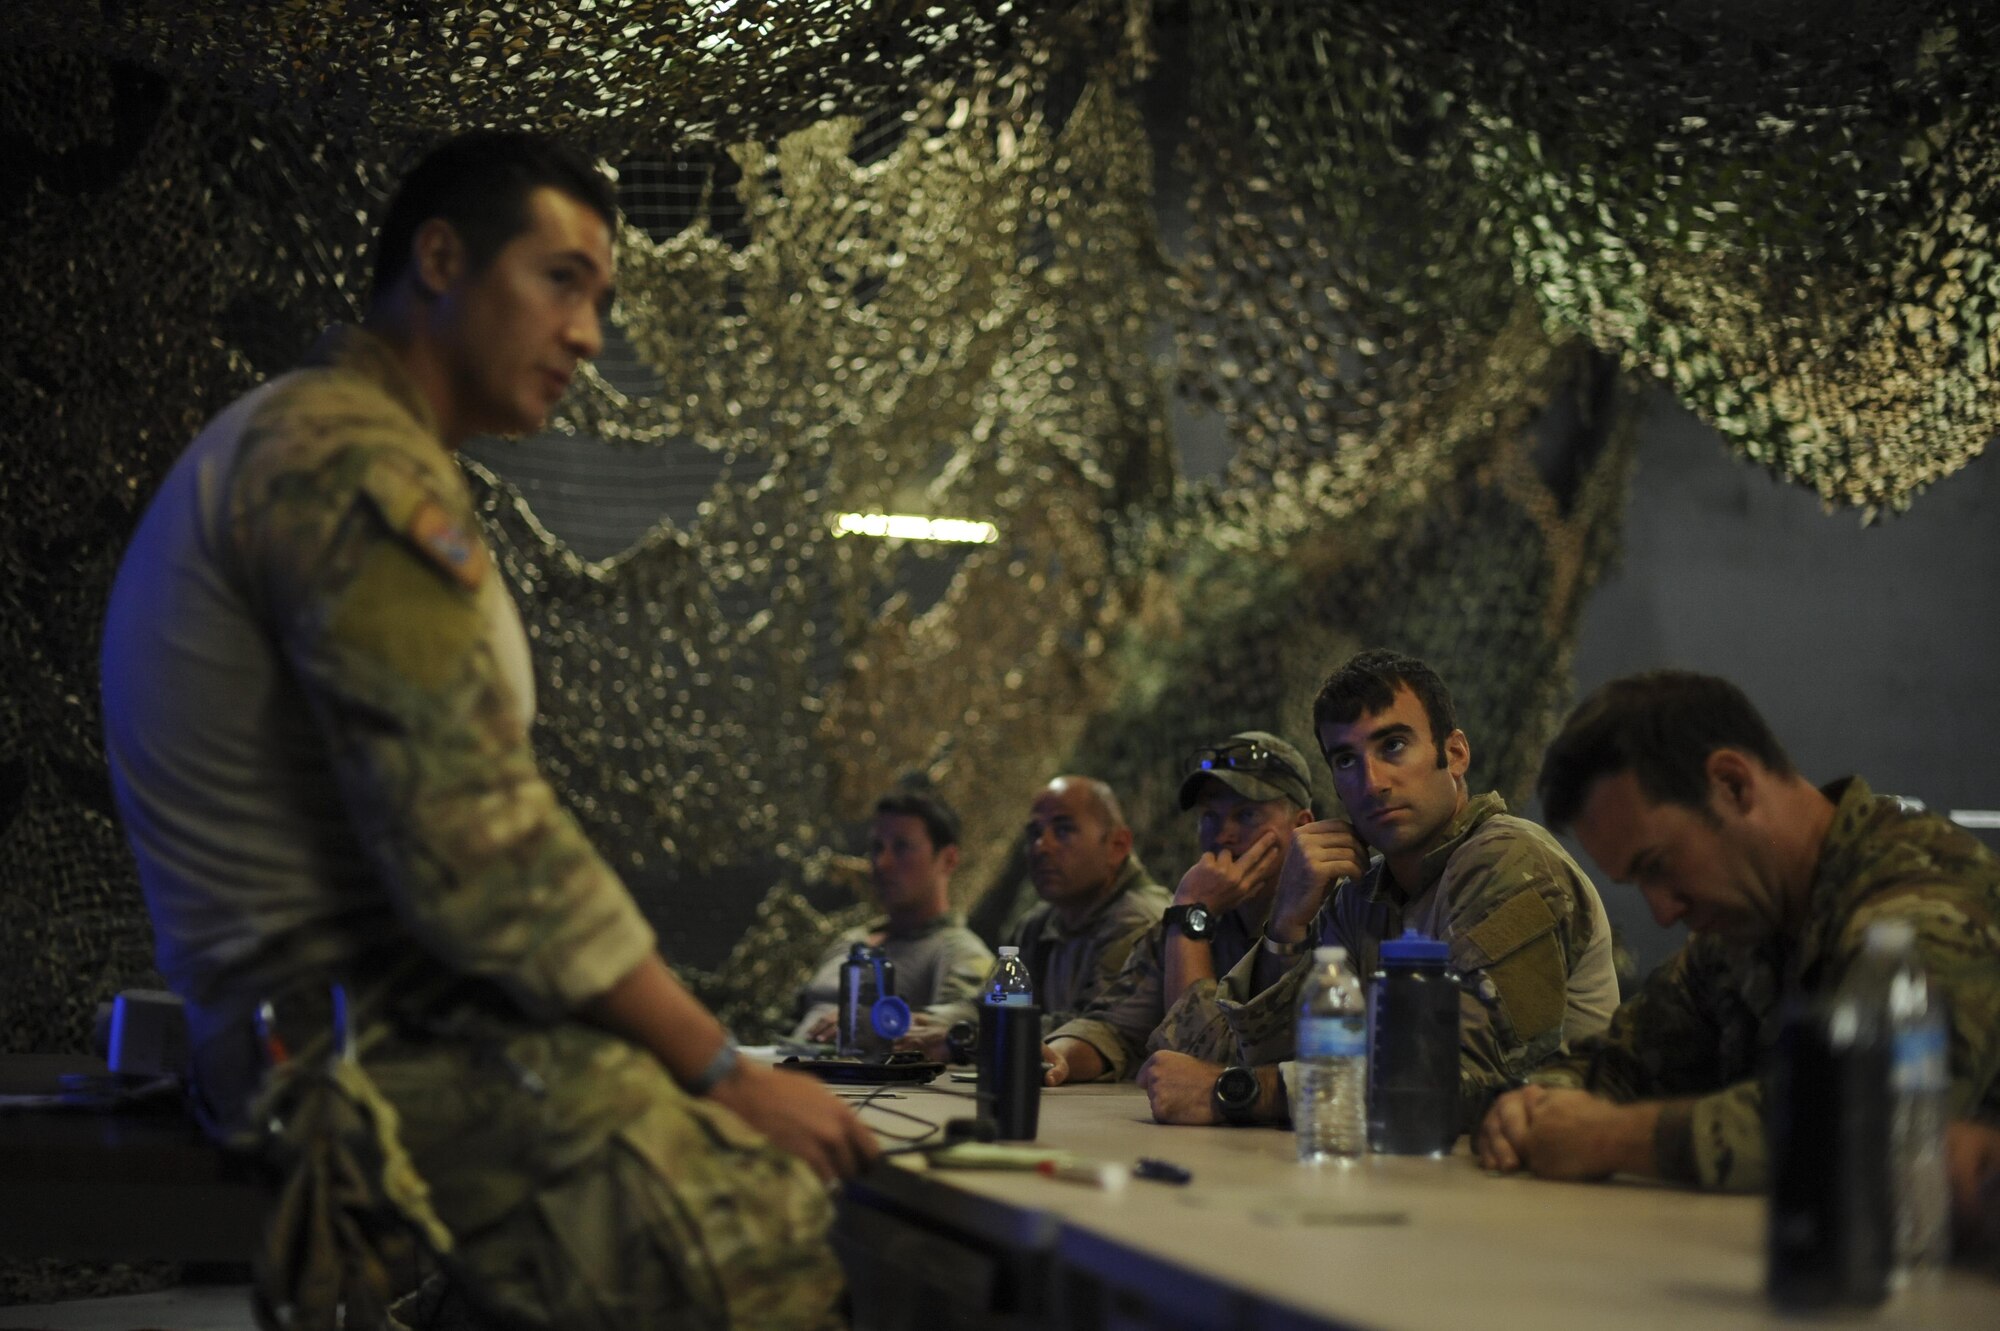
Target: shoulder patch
(1525, 962)
(1519, 920)
(459, 552)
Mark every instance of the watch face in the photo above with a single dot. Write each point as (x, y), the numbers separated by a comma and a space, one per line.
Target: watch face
(1197, 921)
(1236, 1088)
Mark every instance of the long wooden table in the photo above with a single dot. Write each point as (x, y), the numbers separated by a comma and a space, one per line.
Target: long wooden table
(1258, 1241)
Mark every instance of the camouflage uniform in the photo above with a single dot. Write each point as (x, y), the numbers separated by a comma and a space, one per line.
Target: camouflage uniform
(1697, 1033)
(1131, 1003)
(940, 966)
(1072, 966)
(317, 703)
(1524, 924)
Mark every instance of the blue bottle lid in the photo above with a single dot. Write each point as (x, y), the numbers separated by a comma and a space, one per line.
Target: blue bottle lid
(1415, 949)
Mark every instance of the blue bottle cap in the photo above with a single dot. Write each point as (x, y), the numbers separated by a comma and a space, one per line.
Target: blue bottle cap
(890, 1017)
(1415, 949)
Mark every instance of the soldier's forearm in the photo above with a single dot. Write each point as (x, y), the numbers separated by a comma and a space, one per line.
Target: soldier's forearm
(1188, 960)
(653, 1010)
(1085, 1063)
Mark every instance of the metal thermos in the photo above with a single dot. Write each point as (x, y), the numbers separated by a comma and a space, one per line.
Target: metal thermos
(1413, 1105)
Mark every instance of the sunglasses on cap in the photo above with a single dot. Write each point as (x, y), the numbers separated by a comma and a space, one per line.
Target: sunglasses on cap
(1244, 755)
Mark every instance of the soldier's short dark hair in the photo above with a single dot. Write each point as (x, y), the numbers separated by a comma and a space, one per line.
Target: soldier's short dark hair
(1367, 683)
(1660, 726)
(480, 182)
(909, 801)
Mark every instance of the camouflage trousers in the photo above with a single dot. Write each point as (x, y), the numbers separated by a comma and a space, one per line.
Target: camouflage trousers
(584, 1189)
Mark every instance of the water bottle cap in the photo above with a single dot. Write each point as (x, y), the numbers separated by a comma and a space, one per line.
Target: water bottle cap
(1327, 956)
(1890, 936)
(1010, 951)
(1415, 949)
(890, 1017)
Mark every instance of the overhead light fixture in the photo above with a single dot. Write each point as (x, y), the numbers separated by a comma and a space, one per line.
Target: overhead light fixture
(1984, 819)
(916, 527)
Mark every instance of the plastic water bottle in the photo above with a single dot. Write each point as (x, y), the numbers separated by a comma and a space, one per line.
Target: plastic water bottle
(1889, 979)
(1330, 1083)
(1009, 983)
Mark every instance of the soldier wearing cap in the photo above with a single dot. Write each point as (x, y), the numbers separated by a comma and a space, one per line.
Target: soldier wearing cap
(1524, 924)
(1251, 791)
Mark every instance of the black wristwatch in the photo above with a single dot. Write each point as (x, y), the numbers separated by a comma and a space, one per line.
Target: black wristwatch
(1236, 1094)
(1193, 921)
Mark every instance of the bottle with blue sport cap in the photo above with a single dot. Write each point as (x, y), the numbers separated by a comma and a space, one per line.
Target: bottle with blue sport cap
(1413, 1048)
(871, 1016)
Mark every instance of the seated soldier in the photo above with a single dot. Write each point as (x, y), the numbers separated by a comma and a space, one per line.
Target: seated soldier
(318, 702)
(1524, 924)
(1248, 792)
(1097, 899)
(912, 854)
(1674, 783)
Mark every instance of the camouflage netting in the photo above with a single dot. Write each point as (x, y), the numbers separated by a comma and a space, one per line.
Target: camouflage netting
(914, 264)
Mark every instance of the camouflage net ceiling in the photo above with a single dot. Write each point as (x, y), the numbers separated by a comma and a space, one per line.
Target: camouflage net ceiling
(920, 258)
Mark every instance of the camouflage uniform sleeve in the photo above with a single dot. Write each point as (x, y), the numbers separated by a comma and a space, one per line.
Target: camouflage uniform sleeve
(1106, 965)
(1224, 1021)
(1689, 1039)
(1958, 944)
(1516, 929)
(366, 558)
(1117, 1022)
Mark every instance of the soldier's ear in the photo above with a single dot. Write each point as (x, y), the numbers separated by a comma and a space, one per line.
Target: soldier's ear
(438, 256)
(1457, 753)
(1732, 781)
(948, 859)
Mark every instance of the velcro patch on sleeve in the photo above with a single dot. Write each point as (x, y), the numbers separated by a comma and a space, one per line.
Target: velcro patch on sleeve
(1525, 963)
(448, 544)
(1517, 921)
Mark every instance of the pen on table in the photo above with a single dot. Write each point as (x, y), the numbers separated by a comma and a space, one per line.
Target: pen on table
(1162, 1171)
(1109, 1177)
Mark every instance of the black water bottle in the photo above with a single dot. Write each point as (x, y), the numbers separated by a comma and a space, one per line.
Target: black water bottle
(1009, 1057)
(868, 1022)
(1829, 1229)
(1413, 1048)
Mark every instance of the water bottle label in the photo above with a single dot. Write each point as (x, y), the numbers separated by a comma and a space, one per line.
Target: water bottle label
(1332, 1037)
(1921, 1062)
(1010, 1000)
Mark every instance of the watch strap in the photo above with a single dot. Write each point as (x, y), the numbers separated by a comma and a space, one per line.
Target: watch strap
(720, 1065)
(1176, 917)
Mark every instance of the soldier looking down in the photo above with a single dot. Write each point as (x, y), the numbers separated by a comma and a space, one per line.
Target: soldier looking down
(1674, 783)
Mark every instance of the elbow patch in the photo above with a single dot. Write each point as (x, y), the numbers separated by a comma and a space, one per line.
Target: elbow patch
(1524, 959)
